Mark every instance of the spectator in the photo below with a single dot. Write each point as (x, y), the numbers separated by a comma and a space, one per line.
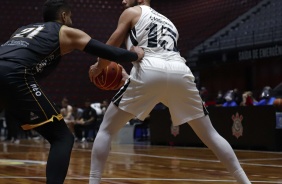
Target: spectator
(237, 96)
(76, 112)
(266, 97)
(100, 110)
(104, 105)
(66, 111)
(219, 99)
(204, 94)
(229, 99)
(12, 128)
(86, 124)
(141, 132)
(98, 107)
(248, 99)
(77, 115)
(2, 123)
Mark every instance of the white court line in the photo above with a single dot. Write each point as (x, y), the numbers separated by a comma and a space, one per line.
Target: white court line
(151, 147)
(261, 159)
(184, 179)
(47, 145)
(193, 159)
(163, 157)
(170, 157)
(142, 179)
(153, 156)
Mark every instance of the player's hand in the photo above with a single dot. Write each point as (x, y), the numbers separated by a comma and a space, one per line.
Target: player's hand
(139, 51)
(97, 68)
(94, 71)
(125, 76)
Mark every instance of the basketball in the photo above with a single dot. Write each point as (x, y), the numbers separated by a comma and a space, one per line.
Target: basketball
(110, 77)
(278, 103)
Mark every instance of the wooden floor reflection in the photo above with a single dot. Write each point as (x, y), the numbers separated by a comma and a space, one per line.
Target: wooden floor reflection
(136, 164)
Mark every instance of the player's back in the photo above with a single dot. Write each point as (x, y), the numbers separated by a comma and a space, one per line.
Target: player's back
(33, 46)
(155, 33)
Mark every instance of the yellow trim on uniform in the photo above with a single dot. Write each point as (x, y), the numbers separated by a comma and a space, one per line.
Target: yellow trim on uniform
(31, 126)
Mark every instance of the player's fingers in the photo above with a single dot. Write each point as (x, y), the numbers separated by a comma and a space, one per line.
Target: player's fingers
(94, 71)
(90, 76)
(90, 73)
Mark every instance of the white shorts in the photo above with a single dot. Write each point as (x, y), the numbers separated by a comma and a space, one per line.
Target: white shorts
(168, 82)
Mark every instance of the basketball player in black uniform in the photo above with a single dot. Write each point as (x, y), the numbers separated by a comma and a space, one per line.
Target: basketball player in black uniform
(31, 50)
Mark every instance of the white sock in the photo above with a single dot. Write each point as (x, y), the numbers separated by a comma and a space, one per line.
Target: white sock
(241, 177)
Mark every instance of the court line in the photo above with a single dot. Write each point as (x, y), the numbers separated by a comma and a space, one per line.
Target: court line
(142, 179)
(261, 159)
(168, 157)
(47, 145)
(130, 145)
(154, 156)
(192, 159)
(24, 161)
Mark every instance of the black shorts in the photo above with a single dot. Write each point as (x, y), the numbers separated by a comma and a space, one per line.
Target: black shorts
(23, 98)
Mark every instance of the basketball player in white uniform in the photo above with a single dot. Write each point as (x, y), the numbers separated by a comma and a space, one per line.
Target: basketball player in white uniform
(161, 76)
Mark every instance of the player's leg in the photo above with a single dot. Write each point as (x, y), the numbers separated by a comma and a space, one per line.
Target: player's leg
(56, 133)
(137, 98)
(114, 120)
(221, 148)
(187, 106)
(35, 111)
(61, 141)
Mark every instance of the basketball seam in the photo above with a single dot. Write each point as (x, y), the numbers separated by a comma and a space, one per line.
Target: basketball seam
(115, 76)
(103, 84)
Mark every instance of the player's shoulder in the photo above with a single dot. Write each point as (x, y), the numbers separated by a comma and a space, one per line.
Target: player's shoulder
(132, 11)
(69, 30)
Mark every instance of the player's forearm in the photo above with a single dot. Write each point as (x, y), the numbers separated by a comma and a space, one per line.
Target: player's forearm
(108, 52)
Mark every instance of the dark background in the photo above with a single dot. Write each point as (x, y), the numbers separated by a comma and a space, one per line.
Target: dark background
(258, 126)
(196, 21)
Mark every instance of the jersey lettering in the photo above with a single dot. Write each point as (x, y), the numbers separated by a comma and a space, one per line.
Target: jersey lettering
(153, 35)
(29, 32)
(166, 33)
(35, 89)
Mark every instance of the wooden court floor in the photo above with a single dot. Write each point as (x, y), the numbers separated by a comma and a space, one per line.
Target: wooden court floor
(136, 164)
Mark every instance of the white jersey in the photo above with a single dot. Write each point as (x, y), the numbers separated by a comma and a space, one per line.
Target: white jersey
(155, 33)
(162, 75)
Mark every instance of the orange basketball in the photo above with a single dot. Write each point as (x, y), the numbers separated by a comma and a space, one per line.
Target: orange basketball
(110, 77)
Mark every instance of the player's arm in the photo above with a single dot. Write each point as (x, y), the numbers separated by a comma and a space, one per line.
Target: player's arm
(72, 39)
(127, 20)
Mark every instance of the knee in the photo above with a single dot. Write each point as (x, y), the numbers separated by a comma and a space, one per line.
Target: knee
(64, 143)
(69, 139)
(66, 138)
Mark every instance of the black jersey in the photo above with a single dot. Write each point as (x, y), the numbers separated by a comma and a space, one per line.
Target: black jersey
(34, 46)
